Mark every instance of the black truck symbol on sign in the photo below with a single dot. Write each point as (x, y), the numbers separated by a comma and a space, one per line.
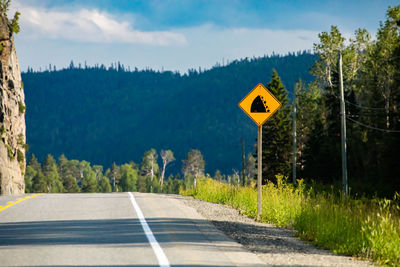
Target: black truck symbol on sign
(259, 106)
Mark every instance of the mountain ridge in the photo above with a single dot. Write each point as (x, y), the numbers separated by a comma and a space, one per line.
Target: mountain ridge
(105, 115)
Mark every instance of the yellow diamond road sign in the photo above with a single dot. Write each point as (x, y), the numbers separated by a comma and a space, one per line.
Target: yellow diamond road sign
(260, 104)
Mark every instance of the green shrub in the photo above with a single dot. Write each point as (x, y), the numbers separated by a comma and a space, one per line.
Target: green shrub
(10, 152)
(21, 107)
(20, 156)
(14, 25)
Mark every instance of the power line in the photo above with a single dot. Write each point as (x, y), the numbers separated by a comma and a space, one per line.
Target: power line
(363, 107)
(372, 127)
(350, 103)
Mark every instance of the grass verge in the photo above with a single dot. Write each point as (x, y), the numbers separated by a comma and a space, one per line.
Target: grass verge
(365, 228)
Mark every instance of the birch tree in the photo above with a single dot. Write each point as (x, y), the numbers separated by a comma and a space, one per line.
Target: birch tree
(194, 165)
(167, 157)
(149, 164)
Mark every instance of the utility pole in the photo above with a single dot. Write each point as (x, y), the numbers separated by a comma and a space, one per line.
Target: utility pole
(294, 137)
(243, 159)
(343, 129)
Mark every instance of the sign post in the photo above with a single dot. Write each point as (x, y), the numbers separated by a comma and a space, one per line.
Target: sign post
(259, 105)
(259, 171)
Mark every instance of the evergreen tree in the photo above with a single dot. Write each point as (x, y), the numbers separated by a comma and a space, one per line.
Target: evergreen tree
(68, 171)
(172, 184)
(276, 136)
(50, 171)
(34, 163)
(104, 185)
(89, 182)
(39, 184)
(142, 184)
(129, 177)
(29, 174)
(31, 170)
(70, 184)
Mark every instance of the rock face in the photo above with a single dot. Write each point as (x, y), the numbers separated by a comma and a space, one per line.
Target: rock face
(12, 116)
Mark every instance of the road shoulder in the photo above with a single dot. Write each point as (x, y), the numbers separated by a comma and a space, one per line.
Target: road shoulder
(273, 245)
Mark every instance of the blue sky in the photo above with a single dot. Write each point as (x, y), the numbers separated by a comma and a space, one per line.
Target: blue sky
(177, 35)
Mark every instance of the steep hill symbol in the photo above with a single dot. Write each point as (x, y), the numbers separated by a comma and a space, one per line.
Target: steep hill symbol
(259, 105)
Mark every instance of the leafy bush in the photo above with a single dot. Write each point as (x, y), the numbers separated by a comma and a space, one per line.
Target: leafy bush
(21, 107)
(10, 152)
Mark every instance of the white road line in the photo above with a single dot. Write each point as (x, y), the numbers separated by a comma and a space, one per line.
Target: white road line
(162, 259)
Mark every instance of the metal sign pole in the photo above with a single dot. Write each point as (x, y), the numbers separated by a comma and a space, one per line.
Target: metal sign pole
(259, 173)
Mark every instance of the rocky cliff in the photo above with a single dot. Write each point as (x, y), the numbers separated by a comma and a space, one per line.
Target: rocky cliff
(12, 115)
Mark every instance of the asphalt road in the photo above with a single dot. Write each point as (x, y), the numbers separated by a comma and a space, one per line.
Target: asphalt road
(108, 230)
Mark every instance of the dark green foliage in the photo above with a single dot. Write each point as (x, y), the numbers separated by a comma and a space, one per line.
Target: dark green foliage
(142, 184)
(70, 185)
(89, 181)
(39, 184)
(276, 139)
(33, 162)
(117, 115)
(20, 156)
(30, 173)
(53, 181)
(129, 178)
(14, 25)
(72, 176)
(21, 160)
(172, 185)
(104, 185)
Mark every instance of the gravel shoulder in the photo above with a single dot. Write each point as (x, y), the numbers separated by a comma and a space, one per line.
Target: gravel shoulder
(273, 245)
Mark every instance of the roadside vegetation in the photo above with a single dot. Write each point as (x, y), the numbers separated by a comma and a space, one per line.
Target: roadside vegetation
(363, 228)
(74, 176)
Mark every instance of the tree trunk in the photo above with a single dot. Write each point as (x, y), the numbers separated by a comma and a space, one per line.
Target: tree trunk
(163, 173)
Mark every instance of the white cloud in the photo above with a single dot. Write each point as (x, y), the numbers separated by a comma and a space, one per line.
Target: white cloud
(209, 44)
(206, 45)
(56, 37)
(91, 26)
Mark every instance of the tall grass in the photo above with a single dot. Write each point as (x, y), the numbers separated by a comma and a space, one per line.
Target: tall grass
(366, 228)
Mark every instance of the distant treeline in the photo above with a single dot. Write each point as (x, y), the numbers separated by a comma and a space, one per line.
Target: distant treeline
(74, 176)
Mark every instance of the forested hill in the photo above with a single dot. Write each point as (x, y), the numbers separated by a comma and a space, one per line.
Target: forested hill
(111, 114)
